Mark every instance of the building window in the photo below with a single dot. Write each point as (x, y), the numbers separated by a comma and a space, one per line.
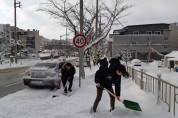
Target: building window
(132, 50)
(136, 32)
(165, 47)
(165, 38)
(133, 42)
(158, 32)
(149, 32)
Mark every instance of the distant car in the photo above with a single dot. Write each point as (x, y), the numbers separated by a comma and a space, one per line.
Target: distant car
(136, 62)
(47, 73)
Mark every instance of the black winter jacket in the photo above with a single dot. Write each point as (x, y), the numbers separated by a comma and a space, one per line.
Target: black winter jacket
(106, 78)
(67, 73)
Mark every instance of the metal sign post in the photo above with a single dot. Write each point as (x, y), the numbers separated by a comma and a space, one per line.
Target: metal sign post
(79, 41)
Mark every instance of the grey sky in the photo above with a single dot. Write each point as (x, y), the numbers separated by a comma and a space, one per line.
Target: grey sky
(144, 12)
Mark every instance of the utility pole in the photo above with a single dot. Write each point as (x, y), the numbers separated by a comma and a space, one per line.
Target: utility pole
(96, 26)
(100, 26)
(60, 41)
(16, 4)
(81, 50)
(66, 42)
(149, 49)
(66, 28)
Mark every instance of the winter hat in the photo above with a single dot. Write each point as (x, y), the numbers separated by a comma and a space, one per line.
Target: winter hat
(68, 64)
(114, 61)
(103, 62)
(120, 68)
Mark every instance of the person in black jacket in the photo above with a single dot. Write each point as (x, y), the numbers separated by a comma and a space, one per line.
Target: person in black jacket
(67, 71)
(114, 61)
(103, 63)
(104, 78)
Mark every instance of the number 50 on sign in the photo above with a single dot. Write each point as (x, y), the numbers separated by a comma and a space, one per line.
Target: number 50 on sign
(79, 40)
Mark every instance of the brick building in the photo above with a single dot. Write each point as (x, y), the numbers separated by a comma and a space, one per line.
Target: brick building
(29, 38)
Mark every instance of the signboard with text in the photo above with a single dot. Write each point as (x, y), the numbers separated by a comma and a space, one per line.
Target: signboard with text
(79, 41)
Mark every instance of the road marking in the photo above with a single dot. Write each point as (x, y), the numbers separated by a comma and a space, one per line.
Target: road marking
(13, 84)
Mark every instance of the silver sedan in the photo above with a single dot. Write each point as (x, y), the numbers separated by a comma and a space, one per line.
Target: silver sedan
(47, 73)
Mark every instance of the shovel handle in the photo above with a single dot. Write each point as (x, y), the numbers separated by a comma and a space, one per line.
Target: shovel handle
(111, 93)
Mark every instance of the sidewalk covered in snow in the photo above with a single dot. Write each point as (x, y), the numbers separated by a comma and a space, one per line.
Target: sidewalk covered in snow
(38, 103)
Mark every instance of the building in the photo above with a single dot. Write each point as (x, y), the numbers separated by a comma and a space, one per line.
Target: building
(147, 41)
(4, 35)
(30, 39)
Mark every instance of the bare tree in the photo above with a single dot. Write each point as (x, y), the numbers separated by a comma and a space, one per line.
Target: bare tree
(68, 14)
(125, 54)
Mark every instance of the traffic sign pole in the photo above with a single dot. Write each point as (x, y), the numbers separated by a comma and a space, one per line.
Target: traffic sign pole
(79, 41)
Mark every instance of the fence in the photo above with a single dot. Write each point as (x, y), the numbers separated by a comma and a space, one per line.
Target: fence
(165, 91)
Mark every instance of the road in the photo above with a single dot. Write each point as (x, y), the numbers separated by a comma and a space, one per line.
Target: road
(11, 82)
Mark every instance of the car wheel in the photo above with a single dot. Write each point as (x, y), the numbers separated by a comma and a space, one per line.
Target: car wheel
(27, 83)
(52, 88)
(59, 85)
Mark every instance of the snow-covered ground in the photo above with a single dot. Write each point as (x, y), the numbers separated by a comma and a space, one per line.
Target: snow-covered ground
(166, 74)
(38, 103)
(30, 62)
(20, 63)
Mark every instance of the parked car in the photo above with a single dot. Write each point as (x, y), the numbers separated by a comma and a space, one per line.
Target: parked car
(46, 73)
(136, 62)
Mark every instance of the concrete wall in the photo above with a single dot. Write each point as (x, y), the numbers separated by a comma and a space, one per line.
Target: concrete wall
(174, 35)
(140, 43)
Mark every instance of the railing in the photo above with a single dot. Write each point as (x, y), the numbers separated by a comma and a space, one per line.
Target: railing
(164, 90)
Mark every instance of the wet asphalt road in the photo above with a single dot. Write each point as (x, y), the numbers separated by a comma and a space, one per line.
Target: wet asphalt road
(11, 82)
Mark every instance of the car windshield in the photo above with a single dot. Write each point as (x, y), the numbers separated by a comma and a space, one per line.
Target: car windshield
(49, 65)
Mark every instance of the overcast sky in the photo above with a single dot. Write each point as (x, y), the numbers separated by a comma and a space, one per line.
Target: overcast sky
(144, 12)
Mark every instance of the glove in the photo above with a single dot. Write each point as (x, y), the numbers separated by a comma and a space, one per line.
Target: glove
(126, 75)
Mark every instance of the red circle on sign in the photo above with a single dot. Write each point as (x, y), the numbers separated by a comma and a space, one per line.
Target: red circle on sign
(79, 41)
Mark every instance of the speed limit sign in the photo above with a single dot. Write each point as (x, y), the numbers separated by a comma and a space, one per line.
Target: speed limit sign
(79, 40)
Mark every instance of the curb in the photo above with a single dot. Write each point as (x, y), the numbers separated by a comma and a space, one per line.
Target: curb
(6, 70)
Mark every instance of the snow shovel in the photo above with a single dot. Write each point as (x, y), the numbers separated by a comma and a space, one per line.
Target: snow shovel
(67, 82)
(127, 103)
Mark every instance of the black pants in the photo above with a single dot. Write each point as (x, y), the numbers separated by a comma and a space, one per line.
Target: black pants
(99, 96)
(64, 82)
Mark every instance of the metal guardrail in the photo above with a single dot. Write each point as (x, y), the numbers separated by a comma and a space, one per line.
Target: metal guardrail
(175, 98)
(164, 90)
